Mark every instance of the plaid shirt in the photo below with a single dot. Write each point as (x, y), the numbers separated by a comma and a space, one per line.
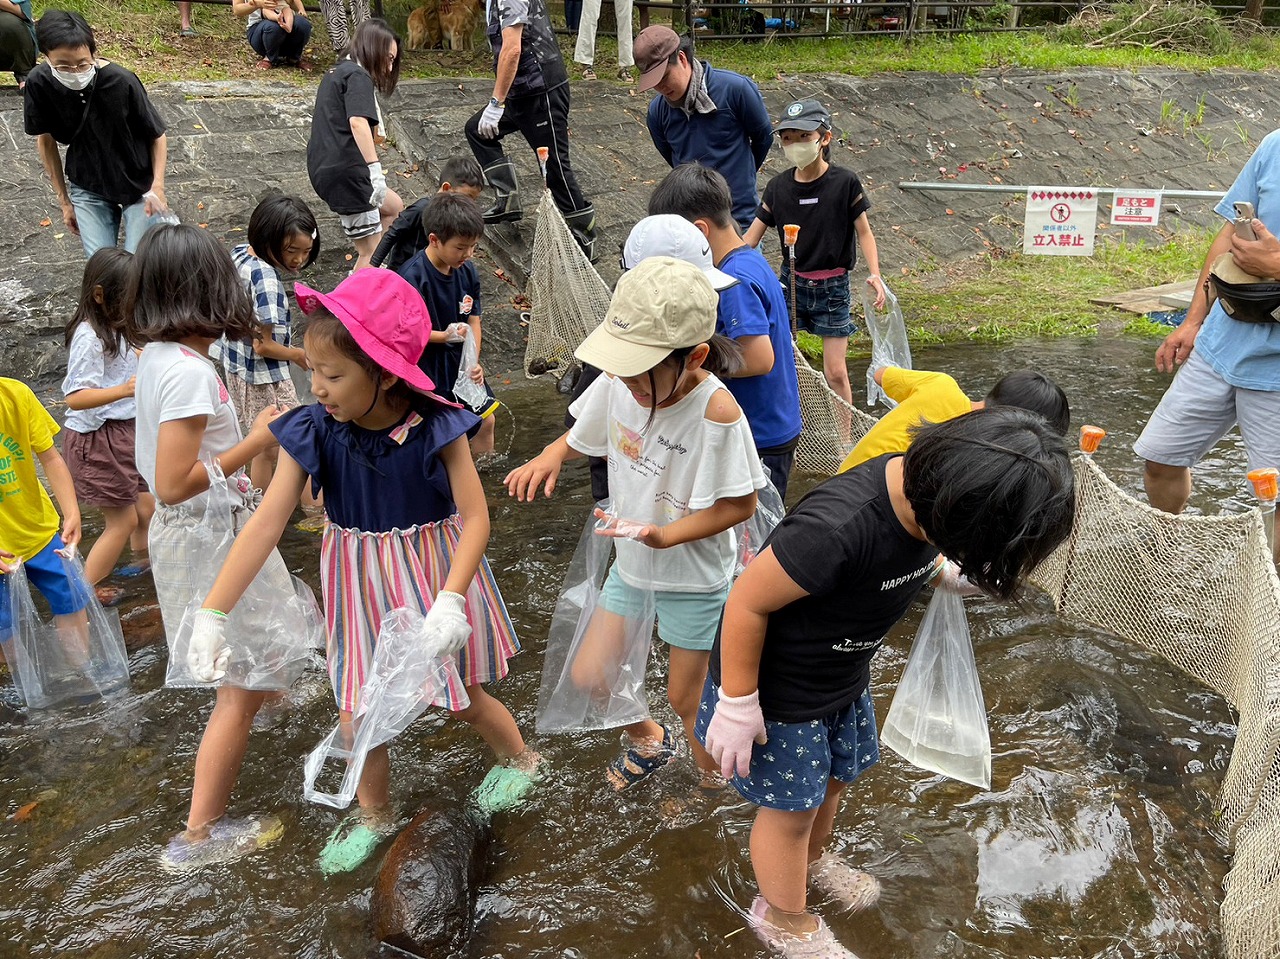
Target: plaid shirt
(271, 306)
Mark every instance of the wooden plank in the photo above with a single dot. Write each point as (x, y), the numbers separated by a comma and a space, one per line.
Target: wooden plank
(1149, 299)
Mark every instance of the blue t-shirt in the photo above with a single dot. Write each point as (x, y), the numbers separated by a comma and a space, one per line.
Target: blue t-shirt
(756, 307)
(734, 140)
(1248, 354)
(451, 298)
(377, 480)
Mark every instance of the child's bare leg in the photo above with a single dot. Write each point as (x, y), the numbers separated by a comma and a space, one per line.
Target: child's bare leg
(835, 366)
(482, 442)
(780, 858)
(686, 674)
(73, 633)
(263, 466)
(144, 509)
(121, 524)
(494, 722)
(825, 820)
(222, 748)
(184, 12)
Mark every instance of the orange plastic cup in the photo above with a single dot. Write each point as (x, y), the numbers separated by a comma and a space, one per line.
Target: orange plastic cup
(1091, 438)
(1265, 483)
(543, 154)
(792, 233)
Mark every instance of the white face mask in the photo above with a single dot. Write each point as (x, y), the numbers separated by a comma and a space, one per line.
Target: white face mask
(803, 153)
(75, 81)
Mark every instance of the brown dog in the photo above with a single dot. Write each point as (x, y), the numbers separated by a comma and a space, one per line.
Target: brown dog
(458, 22)
(424, 27)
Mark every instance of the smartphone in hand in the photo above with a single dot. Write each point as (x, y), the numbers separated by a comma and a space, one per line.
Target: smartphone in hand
(1244, 220)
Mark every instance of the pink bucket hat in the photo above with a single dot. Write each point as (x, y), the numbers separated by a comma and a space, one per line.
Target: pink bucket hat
(386, 317)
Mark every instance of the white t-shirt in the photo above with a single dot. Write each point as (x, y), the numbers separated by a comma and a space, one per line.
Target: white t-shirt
(681, 463)
(89, 369)
(176, 382)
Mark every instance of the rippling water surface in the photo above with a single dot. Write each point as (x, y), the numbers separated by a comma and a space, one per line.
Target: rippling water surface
(1094, 840)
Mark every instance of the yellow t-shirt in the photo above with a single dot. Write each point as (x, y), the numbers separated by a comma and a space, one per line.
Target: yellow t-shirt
(28, 520)
(922, 397)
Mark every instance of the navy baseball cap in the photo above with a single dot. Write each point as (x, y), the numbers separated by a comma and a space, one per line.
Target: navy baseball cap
(804, 115)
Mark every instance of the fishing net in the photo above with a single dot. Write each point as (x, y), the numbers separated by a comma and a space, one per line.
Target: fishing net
(1202, 592)
(569, 298)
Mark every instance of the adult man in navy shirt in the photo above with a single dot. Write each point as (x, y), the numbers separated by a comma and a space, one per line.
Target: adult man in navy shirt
(704, 115)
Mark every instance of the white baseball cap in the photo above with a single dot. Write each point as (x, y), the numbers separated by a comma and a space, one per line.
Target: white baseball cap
(669, 235)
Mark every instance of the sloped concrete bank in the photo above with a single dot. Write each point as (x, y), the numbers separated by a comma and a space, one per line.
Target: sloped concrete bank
(232, 142)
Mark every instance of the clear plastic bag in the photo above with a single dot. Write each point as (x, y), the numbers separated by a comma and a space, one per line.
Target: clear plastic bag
(403, 681)
(273, 627)
(937, 720)
(76, 658)
(889, 346)
(750, 536)
(467, 390)
(594, 668)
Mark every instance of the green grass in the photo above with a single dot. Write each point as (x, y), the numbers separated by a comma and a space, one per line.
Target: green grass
(142, 34)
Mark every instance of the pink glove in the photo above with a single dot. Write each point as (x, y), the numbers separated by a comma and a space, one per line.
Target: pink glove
(737, 723)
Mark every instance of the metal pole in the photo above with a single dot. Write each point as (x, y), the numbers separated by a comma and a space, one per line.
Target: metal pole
(791, 233)
(934, 185)
(1264, 488)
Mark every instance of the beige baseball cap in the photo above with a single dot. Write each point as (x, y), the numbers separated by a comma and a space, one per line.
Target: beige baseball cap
(664, 304)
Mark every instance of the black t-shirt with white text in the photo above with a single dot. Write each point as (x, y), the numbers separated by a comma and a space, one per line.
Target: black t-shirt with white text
(825, 208)
(337, 168)
(844, 546)
(109, 154)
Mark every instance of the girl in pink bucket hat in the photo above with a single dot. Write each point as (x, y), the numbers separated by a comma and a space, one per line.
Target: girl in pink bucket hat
(407, 526)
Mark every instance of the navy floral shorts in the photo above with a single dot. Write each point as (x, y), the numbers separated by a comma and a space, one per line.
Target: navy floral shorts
(791, 770)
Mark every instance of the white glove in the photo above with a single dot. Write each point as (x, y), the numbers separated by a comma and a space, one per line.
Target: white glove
(445, 627)
(737, 723)
(207, 654)
(456, 332)
(379, 184)
(489, 120)
(953, 581)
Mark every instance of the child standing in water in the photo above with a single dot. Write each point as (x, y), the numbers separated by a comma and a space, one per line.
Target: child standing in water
(282, 237)
(184, 295)
(683, 472)
(99, 440)
(407, 525)
(830, 206)
(787, 708)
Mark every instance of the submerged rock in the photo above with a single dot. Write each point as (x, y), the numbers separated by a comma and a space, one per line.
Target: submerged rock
(424, 899)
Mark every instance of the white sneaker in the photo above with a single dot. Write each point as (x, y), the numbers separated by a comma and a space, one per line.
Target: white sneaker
(854, 889)
(819, 944)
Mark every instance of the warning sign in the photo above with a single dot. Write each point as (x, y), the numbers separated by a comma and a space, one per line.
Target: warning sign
(1060, 221)
(1136, 208)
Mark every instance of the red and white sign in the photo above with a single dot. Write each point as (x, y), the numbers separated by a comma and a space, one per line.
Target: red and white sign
(1136, 208)
(1060, 221)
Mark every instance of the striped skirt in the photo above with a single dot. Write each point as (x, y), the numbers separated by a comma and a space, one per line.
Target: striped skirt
(366, 575)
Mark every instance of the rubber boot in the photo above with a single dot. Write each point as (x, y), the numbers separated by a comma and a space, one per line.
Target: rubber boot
(582, 224)
(506, 208)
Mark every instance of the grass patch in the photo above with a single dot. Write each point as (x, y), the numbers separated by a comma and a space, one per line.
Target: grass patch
(142, 35)
(997, 298)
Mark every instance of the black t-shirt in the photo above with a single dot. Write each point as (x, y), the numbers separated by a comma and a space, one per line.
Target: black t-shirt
(110, 155)
(403, 238)
(844, 546)
(338, 171)
(452, 297)
(825, 209)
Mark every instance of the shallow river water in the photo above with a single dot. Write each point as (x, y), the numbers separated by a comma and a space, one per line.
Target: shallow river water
(1094, 841)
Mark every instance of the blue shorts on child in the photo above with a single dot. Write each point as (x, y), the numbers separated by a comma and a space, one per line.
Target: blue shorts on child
(46, 573)
(791, 770)
(686, 620)
(822, 306)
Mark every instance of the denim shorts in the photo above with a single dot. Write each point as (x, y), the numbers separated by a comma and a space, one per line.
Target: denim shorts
(687, 620)
(791, 770)
(822, 306)
(46, 573)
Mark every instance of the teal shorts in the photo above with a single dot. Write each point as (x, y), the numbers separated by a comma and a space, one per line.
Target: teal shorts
(687, 620)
